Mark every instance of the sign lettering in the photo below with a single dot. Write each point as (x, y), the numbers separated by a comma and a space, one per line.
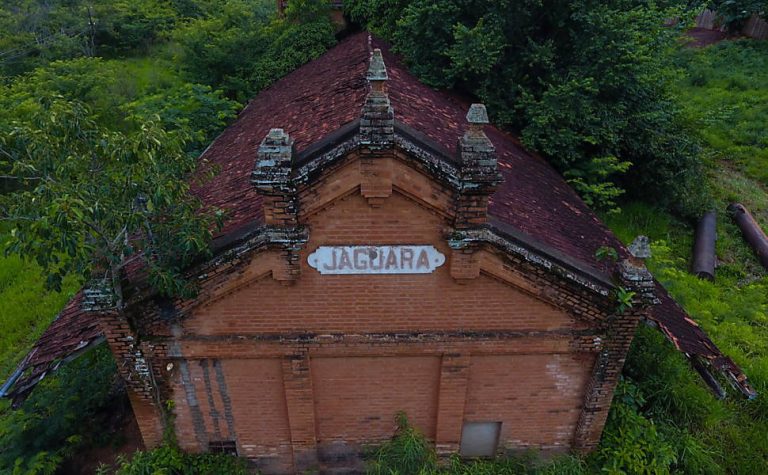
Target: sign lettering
(376, 259)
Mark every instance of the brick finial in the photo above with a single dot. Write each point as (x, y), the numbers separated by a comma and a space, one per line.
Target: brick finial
(479, 170)
(377, 70)
(271, 175)
(377, 125)
(477, 116)
(478, 155)
(640, 248)
(633, 273)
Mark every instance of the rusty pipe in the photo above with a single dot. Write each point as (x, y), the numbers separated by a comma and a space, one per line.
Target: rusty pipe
(751, 231)
(704, 246)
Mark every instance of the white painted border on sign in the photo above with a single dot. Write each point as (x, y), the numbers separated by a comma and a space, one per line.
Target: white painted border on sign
(403, 259)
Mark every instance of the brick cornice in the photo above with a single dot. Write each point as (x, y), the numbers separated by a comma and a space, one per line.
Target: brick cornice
(526, 248)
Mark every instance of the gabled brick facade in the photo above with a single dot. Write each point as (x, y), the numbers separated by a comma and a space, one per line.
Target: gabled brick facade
(298, 369)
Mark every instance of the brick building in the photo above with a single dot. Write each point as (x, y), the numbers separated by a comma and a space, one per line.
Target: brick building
(386, 250)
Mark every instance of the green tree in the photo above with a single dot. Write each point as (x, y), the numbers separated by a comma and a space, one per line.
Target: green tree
(192, 107)
(93, 201)
(583, 82)
(242, 47)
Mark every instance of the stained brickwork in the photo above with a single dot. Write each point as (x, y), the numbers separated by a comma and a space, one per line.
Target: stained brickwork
(135, 369)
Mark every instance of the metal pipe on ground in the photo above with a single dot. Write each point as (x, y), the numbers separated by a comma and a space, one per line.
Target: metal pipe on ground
(704, 246)
(751, 231)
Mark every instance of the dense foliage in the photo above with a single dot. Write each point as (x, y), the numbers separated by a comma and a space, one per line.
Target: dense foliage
(61, 415)
(94, 200)
(139, 113)
(170, 460)
(36, 32)
(584, 83)
(243, 50)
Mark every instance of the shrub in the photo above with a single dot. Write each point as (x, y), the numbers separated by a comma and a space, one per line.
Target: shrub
(410, 453)
(170, 460)
(61, 415)
(407, 452)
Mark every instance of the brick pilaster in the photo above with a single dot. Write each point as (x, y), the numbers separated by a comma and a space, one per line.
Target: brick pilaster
(148, 418)
(605, 376)
(465, 264)
(633, 277)
(272, 179)
(299, 399)
(135, 369)
(452, 395)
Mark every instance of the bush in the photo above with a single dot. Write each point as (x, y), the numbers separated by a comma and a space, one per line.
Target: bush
(62, 414)
(410, 453)
(632, 443)
(583, 82)
(170, 460)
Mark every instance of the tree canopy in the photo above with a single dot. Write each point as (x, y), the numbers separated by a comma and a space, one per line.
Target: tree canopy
(583, 82)
(92, 200)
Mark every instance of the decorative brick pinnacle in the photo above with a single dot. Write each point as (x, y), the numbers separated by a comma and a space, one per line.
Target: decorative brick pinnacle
(98, 296)
(640, 248)
(477, 117)
(273, 163)
(478, 155)
(634, 275)
(377, 70)
(377, 125)
(477, 114)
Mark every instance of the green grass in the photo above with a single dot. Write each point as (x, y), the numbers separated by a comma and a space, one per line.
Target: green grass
(725, 94)
(724, 89)
(722, 436)
(27, 309)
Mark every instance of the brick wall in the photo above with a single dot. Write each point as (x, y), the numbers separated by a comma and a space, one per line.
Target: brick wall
(356, 398)
(538, 402)
(302, 372)
(375, 303)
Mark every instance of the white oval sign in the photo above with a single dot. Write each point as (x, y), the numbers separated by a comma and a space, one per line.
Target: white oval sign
(376, 259)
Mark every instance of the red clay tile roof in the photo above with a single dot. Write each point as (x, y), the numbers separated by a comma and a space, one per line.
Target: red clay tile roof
(71, 332)
(327, 93)
(308, 103)
(533, 197)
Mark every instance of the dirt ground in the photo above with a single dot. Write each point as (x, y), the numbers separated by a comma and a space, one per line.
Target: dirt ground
(701, 37)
